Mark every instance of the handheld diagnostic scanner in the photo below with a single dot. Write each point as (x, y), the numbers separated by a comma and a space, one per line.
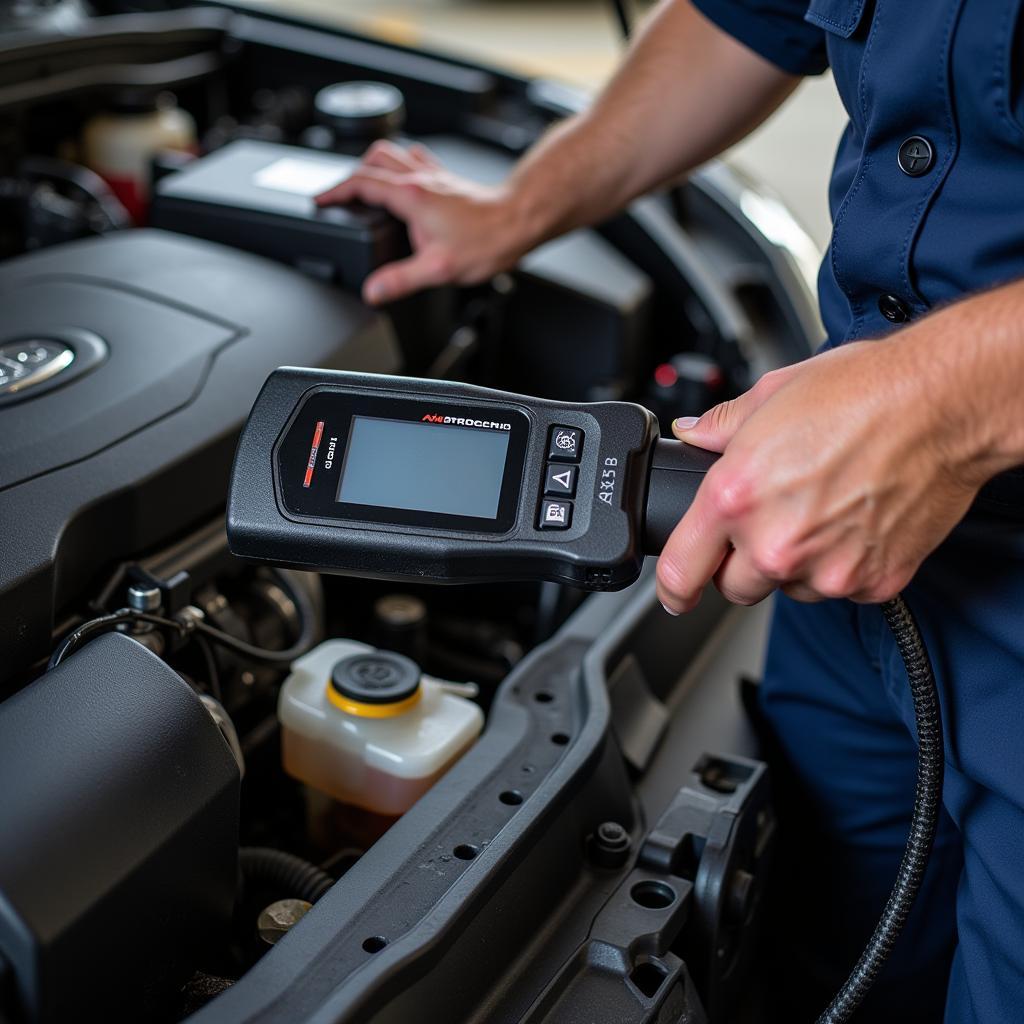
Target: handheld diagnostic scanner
(433, 481)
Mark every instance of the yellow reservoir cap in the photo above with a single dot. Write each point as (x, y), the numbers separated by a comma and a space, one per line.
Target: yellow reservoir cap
(364, 710)
(374, 684)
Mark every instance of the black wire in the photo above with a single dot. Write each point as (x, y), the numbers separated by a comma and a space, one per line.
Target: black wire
(186, 627)
(98, 625)
(251, 651)
(923, 822)
(105, 623)
(212, 675)
(622, 15)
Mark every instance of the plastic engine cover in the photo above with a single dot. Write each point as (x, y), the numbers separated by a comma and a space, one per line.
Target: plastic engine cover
(130, 443)
(119, 819)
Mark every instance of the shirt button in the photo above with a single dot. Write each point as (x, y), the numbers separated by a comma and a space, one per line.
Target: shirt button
(916, 156)
(894, 309)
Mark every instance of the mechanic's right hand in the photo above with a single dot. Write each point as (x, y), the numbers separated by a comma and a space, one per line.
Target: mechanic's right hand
(461, 232)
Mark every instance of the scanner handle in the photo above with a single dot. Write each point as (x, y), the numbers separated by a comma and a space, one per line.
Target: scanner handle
(677, 469)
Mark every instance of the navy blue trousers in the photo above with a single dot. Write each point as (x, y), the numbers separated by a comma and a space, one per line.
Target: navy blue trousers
(836, 698)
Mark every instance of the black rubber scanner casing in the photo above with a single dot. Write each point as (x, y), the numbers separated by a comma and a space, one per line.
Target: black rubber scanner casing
(600, 551)
(603, 549)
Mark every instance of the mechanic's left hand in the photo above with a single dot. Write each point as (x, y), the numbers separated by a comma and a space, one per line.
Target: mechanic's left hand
(839, 476)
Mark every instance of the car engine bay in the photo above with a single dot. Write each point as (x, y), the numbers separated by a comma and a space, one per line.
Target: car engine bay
(600, 843)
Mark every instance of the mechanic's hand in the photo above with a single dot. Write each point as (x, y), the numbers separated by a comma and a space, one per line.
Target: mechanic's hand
(461, 232)
(839, 476)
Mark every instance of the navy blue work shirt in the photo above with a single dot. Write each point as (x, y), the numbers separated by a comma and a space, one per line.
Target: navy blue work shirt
(927, 193)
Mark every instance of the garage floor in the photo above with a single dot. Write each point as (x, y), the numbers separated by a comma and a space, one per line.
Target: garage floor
(577, 40)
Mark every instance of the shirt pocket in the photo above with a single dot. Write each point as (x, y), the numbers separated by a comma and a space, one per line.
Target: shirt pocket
(840, 17)
(846, 24)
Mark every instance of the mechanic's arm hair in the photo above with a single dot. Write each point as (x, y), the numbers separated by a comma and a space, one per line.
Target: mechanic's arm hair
(685, 92)
(975, 360)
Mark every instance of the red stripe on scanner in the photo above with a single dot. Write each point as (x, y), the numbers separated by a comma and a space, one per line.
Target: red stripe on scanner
(314, 448)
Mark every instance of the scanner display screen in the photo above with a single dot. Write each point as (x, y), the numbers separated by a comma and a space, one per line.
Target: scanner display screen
(425, 467)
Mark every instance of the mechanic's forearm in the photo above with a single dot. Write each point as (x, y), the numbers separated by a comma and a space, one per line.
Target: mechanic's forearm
(685, 92)
(972, 357)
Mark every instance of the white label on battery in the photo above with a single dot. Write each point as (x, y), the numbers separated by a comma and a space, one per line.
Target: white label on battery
(300, 177)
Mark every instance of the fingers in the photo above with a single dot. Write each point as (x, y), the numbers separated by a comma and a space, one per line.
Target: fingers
(403, 277)
(423, 157)
(389, 157)
(375, 186)
(802, 592)
(401, 159)
(691, 557)
(388, 177)
(392, 161)
(739, 581)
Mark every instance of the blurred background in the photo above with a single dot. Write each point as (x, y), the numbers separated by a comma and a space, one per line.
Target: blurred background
(578, 41)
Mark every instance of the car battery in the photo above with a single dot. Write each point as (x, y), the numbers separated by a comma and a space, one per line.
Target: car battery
(259, 196)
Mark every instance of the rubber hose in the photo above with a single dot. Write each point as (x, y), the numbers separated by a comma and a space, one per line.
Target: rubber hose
(284, 872)
(309, 614)
(309, 629)
(923, 822)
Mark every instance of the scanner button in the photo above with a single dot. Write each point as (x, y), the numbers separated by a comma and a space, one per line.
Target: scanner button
(555, 515)
(560, 481)
(566, 444)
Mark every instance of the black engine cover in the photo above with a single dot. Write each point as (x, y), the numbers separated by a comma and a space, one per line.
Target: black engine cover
(132, 442)
(119, 819)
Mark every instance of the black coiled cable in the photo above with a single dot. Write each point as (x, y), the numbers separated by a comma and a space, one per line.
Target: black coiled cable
(923, 822)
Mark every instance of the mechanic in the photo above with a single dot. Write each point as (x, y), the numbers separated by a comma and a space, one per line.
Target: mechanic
(885, 463)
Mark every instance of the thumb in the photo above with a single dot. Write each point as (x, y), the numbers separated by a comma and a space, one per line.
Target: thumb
(395, 280)
(716, 428)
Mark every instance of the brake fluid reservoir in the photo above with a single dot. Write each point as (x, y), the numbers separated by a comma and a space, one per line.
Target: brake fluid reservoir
(120, 144)
(367, 728)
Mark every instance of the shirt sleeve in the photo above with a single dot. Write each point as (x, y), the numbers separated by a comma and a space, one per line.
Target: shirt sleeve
(774, 29)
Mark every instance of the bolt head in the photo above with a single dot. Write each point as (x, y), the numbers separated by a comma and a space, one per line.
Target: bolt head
(144, 599)
(277, 919)
(609, 845)
(611, 832)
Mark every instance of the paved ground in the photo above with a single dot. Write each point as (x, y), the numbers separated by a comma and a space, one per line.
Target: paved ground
(577, 40)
